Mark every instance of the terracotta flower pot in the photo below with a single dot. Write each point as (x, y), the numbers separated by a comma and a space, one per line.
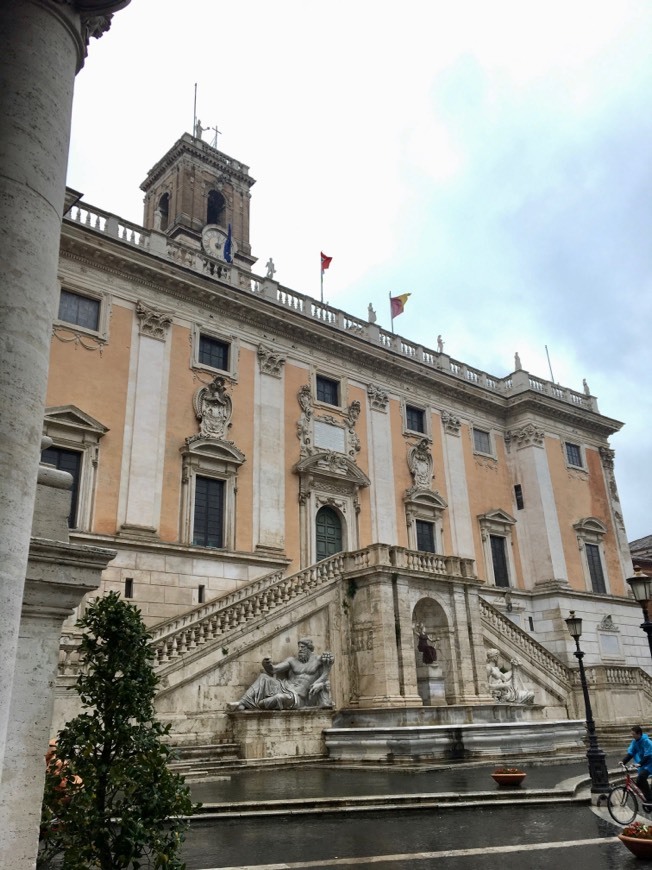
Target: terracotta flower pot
(510, 780)
(638, 846)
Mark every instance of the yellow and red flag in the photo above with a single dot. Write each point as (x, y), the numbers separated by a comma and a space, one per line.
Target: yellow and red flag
(397, 303)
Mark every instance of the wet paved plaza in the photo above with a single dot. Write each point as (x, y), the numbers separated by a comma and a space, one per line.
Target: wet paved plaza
(320, 781)
(550, 836)
(453, 838)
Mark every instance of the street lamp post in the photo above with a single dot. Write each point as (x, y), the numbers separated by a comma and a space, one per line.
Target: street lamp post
(595, 756)
(641, 586)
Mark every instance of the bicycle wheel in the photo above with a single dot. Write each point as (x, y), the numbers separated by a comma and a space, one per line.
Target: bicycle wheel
(622, 805)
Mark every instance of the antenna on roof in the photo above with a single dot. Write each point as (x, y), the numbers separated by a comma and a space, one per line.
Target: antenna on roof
(194, 112)
(552, 377)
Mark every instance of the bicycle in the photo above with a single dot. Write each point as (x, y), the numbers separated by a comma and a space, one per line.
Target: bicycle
(623, 800)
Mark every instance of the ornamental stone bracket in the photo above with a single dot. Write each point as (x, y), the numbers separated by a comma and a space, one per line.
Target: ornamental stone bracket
(378, 398)
(420, 463)
(528, 435)
(270, 362)
(153, 323)
(213, 408)
(451, 423)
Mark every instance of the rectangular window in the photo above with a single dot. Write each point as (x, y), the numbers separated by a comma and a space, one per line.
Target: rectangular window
(328, 391)
(213, 353)
(531, 623)
(201, 594)
(481, 441)
(79, 310)
(414, 419)
(425, 536)
(518, 495)
(595, 567)
(499, 559)
(574, 455)
(208, 526)
(70, 461)
(129, 587)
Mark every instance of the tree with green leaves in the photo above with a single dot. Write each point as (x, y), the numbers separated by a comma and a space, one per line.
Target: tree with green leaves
(110, 800)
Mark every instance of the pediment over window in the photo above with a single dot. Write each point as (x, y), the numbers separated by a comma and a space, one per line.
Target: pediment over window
(497, 516)
(591, 525)
(333, 467)
(69, 418)
(212, 454)
(425, 498)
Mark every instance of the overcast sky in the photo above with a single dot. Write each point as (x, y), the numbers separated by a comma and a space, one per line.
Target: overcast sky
(492, 159)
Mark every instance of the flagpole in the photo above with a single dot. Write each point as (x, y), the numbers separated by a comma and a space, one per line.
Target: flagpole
(391, 316)
(322, 280)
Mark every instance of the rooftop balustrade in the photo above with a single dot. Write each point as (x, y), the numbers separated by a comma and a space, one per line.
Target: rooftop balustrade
(305, 305)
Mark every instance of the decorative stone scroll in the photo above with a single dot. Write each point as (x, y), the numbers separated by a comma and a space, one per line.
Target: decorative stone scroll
(378, 398)
(213, 408)
(270, 362)
(153, 323)
(352, 416)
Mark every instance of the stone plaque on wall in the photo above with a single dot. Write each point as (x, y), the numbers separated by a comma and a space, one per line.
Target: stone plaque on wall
(329, 437)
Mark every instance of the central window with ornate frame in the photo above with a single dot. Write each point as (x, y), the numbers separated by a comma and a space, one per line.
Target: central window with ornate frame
(209, 478)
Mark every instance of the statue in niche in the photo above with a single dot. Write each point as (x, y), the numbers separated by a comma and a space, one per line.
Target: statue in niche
(425, 644)
(298, 682)
(503, 684)
(420, 464)
(213, 409)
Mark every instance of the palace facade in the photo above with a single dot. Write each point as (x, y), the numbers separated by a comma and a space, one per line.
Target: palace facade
(228, 435)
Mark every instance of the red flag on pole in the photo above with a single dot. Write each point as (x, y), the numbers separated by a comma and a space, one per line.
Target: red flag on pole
(325, 261)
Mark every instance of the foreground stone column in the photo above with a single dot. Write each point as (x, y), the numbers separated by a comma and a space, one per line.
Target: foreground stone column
(42, 45)
(59, 574)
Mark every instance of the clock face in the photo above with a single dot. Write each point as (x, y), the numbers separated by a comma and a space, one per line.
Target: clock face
(212, 240)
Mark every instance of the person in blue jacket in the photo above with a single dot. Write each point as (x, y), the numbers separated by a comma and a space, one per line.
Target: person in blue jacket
(640, 750)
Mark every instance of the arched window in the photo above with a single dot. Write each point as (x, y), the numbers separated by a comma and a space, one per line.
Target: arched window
(215, 208)
(164, 211)
(329, 533)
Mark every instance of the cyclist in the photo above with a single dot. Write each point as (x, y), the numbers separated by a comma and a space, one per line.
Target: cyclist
(640, 750)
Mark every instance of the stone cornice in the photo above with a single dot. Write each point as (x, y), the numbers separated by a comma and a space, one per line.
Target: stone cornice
(188, 286)
(203, 152)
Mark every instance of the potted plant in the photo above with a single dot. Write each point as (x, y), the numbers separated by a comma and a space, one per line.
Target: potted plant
(508, 776)
(638, 839)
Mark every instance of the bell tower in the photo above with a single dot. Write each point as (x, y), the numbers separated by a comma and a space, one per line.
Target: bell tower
(194, 193)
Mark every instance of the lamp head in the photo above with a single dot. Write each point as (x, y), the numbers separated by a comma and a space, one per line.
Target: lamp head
(641, 585)
(574, 625)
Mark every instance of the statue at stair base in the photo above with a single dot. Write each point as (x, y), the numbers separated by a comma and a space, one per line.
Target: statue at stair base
(293, 684)
(502, 684)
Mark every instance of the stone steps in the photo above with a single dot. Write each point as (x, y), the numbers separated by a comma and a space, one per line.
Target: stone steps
(307, 806)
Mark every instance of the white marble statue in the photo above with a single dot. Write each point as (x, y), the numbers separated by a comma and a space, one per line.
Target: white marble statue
(271, 268)
(299, 681)
(502, 683)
